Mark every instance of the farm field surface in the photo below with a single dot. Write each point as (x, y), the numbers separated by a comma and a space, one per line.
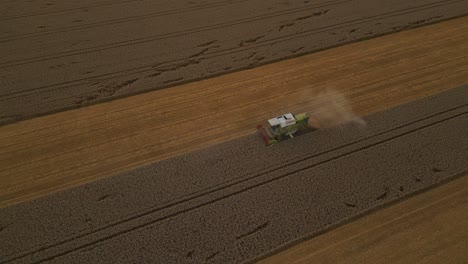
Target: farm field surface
(432, 226)
(65, 149)
(133, 107)
(65, 55)
(240, 200)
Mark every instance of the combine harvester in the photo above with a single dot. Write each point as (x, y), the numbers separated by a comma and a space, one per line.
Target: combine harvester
(284, 126)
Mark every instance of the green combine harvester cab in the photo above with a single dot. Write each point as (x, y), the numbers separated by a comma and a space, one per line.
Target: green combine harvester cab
(282, 127)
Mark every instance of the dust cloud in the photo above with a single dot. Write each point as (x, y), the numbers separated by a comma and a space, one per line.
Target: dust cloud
(330, 108)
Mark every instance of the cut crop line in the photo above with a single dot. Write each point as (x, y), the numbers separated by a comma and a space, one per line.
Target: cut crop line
(156, 109)
(127, 136)
(150, 114)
